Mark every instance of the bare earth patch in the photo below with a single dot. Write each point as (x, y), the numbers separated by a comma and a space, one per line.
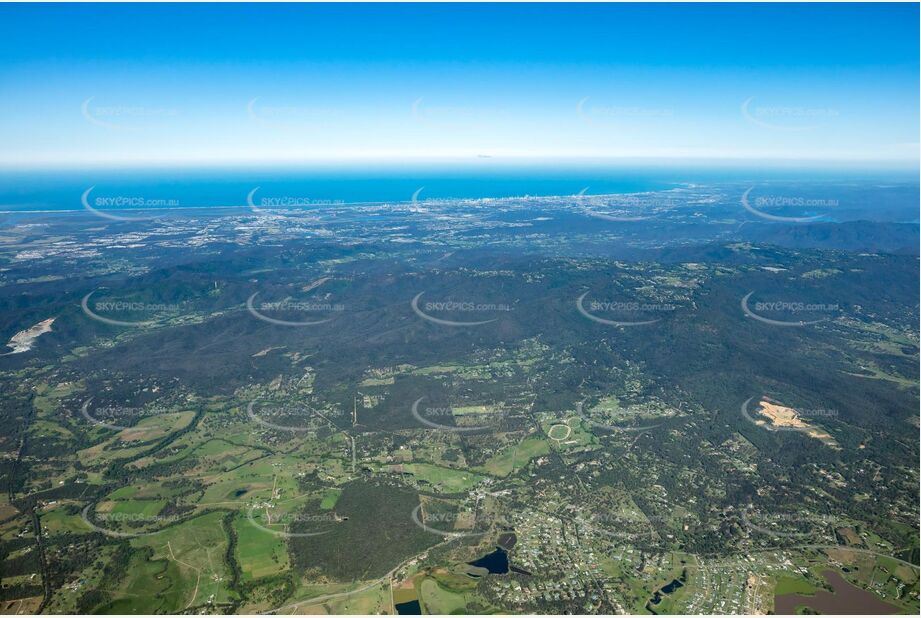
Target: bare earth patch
(25, 339)
(787, 418)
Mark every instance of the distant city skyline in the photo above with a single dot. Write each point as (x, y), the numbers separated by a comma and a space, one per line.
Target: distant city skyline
(289, 84)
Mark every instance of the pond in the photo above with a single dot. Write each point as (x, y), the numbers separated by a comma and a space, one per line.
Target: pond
(665, 590)
(496, 563)
(410, 608)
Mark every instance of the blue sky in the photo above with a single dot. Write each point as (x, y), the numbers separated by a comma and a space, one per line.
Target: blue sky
(204, 84)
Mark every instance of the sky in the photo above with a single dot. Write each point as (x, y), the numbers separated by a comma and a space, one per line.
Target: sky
(211, 84)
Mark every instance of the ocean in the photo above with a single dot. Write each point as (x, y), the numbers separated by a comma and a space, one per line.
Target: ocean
(62, 190)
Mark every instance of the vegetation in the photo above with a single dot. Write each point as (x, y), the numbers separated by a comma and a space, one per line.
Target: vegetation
(618, 457)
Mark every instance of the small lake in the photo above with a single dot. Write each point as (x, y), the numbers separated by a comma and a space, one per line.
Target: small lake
(497, 563)
(410, 608)
(668, 588)
(846, 599)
